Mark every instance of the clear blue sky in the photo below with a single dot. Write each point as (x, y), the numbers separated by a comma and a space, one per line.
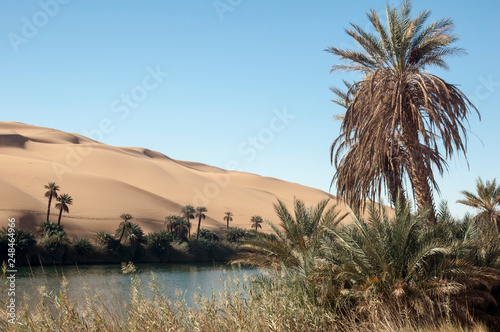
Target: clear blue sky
(232, 66)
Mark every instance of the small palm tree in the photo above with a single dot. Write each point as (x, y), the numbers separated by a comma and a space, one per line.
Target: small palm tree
(52, 189)
(256, 222)
(487, 201)
(298, 237)
(159, 241)
(201, 215)
(188, 213)
(56, 244)
(82, 247)
(169, 220)
(180, 228)
(228, 217)
(102, 238)
(134, 237)
(124, 225)
(63, 201)
(131, 234)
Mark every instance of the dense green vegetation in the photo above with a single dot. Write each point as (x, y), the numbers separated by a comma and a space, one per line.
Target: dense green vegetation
(52, 245)
(381, 269)
(382, 263)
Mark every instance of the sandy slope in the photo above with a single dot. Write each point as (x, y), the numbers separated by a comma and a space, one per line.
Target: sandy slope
(106, 181)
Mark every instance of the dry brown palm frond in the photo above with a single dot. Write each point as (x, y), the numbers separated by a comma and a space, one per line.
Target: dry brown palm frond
(401, 121)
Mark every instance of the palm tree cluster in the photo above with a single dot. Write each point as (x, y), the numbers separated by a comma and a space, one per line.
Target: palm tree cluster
(63, 200)
(380, 263)
(399, 117)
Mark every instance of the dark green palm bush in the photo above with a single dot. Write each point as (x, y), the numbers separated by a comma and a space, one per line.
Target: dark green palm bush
(81, 246)
(56, 245)
(48, 228)
(24, 243)
(160, 242)
(208, 235)
(236, 234)
(380, 263)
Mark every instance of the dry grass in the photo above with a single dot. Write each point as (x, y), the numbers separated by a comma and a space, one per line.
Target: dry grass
(237, 306)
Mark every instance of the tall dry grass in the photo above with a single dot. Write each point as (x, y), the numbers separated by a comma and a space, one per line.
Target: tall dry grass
(268, 303)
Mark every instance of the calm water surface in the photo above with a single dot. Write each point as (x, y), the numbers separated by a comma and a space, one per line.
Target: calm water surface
(108, 281)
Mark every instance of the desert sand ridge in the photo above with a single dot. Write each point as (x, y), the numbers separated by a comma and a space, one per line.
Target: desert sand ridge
(106, 181)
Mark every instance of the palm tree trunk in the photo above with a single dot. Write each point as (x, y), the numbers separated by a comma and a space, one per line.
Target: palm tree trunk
(131, 250)
(395, 186)
(48, 209)
(59, 220)
(417, 169)
(121, 236)
(199, 224)
(422, 191)
(227, 224)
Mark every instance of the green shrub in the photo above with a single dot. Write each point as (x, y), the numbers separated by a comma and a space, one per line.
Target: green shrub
(400, 264)
(82, 246)
(200, 248)
(24, 242)
(56, 245)
(160, 242)
(49, 228)
(236, 234)
(103, 238)
(208, 235)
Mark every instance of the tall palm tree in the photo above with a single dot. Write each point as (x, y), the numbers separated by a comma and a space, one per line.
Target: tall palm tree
(124, 225)
(228, 217)
(256, 222)
(201, 215)
(188, 213)
(63, 201)
(399, 112)
(487, 201)
(52, 189)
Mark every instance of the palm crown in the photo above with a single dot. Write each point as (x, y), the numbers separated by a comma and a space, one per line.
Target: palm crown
(228, 217)
(256, 222)
(124, 226)
(487, 201)
(64, 200)
(398, 112)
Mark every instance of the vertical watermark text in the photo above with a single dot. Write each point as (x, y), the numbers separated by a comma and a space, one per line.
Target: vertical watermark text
(11, 271)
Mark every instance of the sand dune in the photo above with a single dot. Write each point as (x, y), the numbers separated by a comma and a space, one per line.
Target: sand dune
(106, 181)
